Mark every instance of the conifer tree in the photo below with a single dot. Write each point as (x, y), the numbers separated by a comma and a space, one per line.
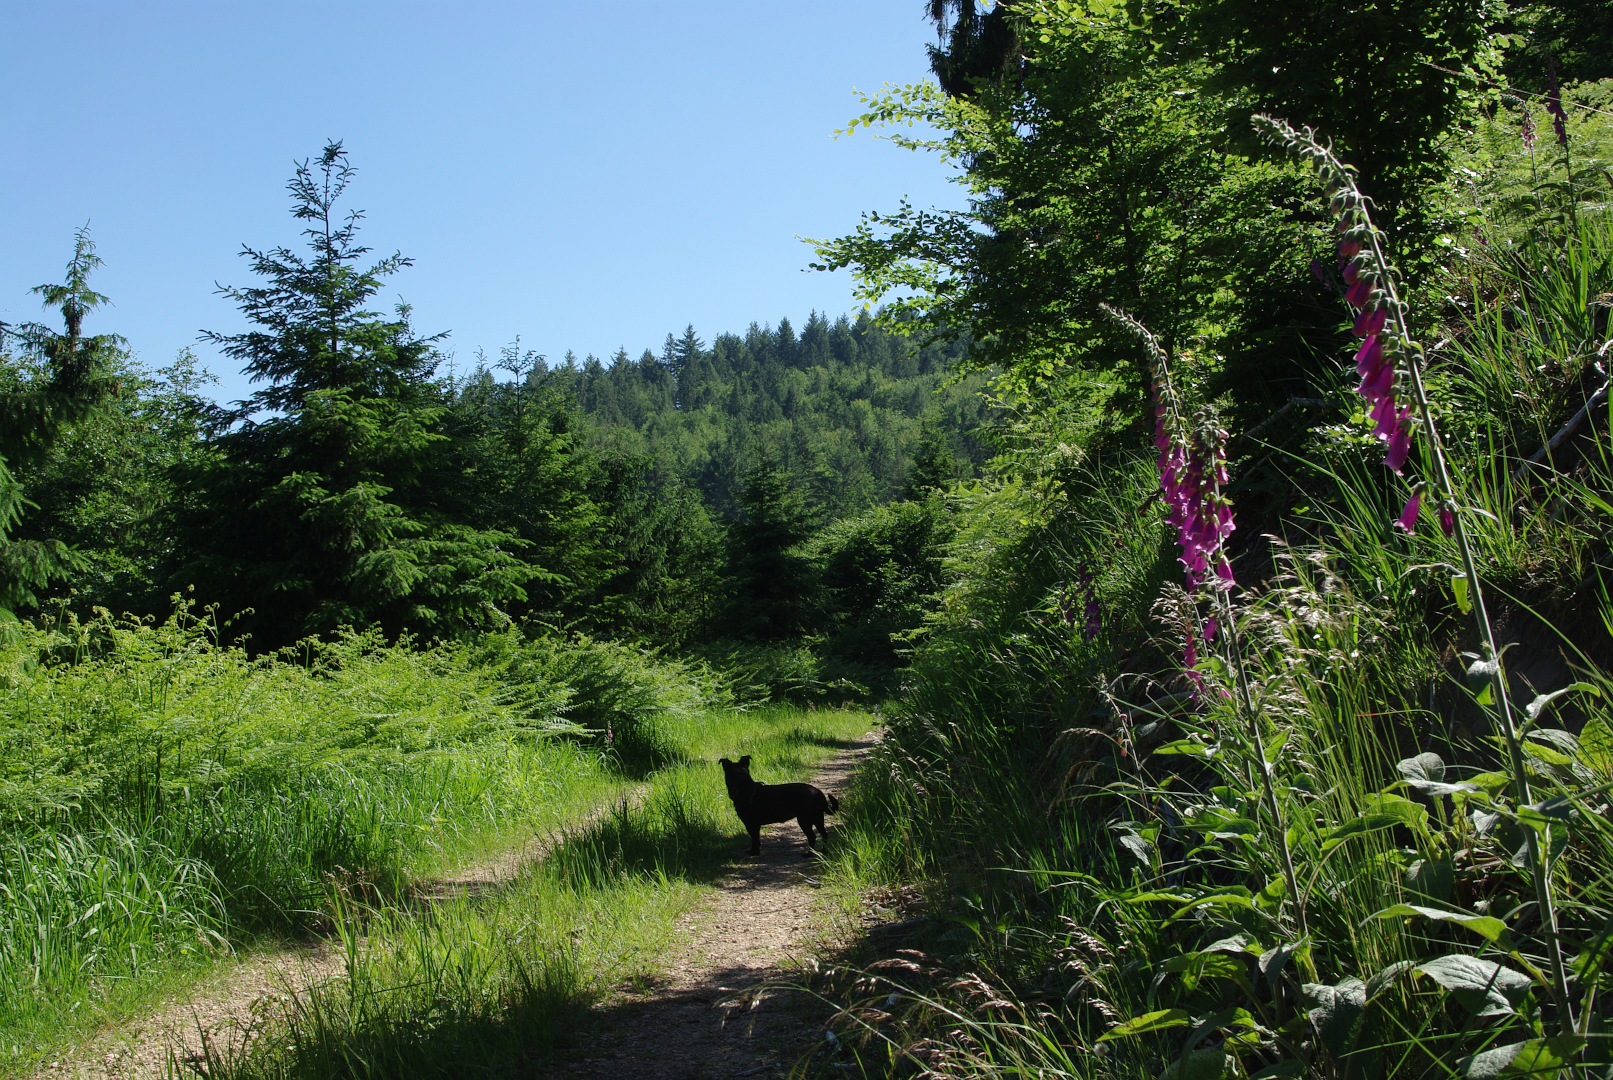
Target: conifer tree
(321, 515)
(62, 379)
(773, 584)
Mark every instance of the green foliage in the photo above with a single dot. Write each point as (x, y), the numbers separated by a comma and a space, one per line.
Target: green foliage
(322, 515)
(881, 571)
(164, 794)
(1390, 83)
(1097, 174)
(772, 584)
(313, 332)
(62, 379)
(842, 408)
(1319, 853)
(1574, 36)
(106, 485)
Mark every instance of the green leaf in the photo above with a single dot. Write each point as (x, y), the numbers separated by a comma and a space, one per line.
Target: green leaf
(1595, 956)
(1223, 824)
(1533, 709)
(1183, 746)
(1273, 960)
(1275, 747)
(1208, 1064)
(1271, 897)
(1338, 1013)
(1596, 746)
(1546, 753)
(1483, 987)
(1459, 587)
(1142, 1025)
(1426, 772)
(1384, 977)
(1488, 927)
(1197, 967)
(1361, 826)
(1539, 1059)
(1412, 815)
(1423, 767)
(1228, 899)
(1383, 811)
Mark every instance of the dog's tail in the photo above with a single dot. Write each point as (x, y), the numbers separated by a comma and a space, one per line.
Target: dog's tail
(834, 804)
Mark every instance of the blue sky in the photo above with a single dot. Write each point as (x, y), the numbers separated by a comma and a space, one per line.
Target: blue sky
(581, 175)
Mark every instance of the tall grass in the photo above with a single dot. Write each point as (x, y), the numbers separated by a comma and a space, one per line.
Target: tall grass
(501, 982)
(164, 798)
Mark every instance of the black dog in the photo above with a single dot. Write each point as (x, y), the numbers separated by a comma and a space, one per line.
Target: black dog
(764, 804)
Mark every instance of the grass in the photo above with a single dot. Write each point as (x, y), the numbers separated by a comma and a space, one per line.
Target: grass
(500, 982)
(164, 800)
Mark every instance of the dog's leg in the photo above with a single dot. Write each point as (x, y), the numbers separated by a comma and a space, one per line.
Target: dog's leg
(755, 839)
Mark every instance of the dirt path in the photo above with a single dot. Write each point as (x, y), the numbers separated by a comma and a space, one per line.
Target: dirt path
(721, 1012)
(219, 1010)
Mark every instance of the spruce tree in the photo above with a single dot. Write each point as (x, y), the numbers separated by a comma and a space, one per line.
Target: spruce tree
(773, 584)
(61, 379)
(328, 511)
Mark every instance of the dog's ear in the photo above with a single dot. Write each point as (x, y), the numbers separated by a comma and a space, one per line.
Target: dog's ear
(745, 761)
(724, 762)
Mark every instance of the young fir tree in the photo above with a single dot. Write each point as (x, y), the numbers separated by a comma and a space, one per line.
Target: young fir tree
(327, 512)
(773, 585)
(62, 378)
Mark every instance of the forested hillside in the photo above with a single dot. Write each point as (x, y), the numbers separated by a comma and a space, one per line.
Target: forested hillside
(1219, 510)
(369, 483)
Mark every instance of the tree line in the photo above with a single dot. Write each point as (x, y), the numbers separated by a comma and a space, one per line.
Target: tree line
(674, 499)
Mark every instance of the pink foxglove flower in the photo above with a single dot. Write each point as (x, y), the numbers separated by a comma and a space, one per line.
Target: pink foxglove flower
(1554, 105)
(1408, 517)
(1192, 474)
(1399, 443)
(1370, 321)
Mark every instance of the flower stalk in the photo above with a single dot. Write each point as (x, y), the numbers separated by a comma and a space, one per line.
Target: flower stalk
(1382, 319)
(1192, 474)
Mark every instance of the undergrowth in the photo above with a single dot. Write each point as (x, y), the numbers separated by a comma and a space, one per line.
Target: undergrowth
(1308, 854)
(166, 799)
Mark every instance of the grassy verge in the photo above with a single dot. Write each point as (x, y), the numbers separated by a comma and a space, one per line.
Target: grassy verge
(500, 982)
(166, 800)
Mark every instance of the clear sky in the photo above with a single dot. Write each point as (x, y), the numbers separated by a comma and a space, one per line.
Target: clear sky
(583, 175)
